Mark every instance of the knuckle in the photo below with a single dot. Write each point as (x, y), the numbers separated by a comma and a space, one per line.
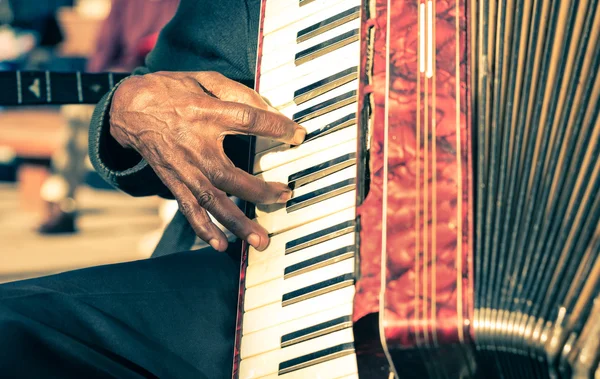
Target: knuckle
(198, 108)
(206, 198)
(220, 177)
(186, 208)
(188, 81)
(245, 116)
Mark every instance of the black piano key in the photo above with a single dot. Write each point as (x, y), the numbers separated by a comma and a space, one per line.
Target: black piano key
(326, 47)
(316, 358)
(317, 289)
(325, 107)
(315, 331)
(320, 195)
(304, 2)
(328, 24)
(322, 260)
(321, 170)
(342, 123)
(320, 236)
(324, 85)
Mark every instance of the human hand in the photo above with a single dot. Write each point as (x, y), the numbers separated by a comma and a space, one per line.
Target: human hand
(177, 122)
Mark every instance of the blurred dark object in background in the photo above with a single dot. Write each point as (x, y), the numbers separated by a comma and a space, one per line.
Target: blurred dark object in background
(39, 17)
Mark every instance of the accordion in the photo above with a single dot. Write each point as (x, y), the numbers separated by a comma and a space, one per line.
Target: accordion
(446, 207)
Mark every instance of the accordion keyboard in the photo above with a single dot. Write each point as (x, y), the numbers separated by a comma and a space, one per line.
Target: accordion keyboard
(298, 292)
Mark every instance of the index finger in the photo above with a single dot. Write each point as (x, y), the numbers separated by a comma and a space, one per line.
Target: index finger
(244, 119)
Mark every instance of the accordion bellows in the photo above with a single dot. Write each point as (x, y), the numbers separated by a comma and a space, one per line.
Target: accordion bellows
(485, 140)
(535, 88)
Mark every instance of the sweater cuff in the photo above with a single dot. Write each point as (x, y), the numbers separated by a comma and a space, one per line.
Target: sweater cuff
(121, 167)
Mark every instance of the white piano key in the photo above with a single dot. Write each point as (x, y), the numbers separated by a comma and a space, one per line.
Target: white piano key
(282, 96)
(282, 154)
(270, 339)
(272, 291)
(292, 109)
(289, 73)
(287, 48)
(281, 173)
(270, 269)
(268, 363)
(276, 313)
(288, 35)
(325, 85)
(280, 13)
(276, 218)
(343, 367)
(279, 221)
(346, 173)
(263, 144)
(276, 248)
(330, 371)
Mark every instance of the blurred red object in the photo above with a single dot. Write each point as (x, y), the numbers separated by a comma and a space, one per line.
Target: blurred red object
(147, 44)
(128, 24)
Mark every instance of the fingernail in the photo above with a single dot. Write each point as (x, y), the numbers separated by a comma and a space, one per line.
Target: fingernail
(215, 243)
(285, 196)
(299, 136)
(254, 240)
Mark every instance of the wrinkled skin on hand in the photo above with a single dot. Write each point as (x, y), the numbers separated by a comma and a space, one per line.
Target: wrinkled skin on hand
(177, 122)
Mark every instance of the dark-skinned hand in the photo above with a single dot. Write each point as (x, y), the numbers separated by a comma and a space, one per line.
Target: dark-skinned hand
(177, 122)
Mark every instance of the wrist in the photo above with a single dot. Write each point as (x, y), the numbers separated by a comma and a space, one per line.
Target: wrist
(116, 129)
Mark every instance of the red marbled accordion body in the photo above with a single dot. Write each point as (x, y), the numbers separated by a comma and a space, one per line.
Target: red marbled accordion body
(419, 174)
(426, 172)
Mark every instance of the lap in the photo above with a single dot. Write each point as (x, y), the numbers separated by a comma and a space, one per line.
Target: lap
(168, 317)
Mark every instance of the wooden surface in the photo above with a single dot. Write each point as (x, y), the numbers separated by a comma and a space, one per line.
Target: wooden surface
(112, 227)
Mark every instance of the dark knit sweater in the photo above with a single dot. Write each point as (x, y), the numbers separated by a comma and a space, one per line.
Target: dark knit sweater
(203, 36)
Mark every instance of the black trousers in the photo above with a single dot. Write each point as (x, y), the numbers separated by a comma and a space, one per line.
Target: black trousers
(167, 317)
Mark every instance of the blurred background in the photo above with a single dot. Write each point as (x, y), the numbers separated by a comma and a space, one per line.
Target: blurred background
(56, 214)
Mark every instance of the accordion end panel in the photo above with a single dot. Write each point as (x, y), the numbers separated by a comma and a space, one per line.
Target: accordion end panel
(416, 259)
